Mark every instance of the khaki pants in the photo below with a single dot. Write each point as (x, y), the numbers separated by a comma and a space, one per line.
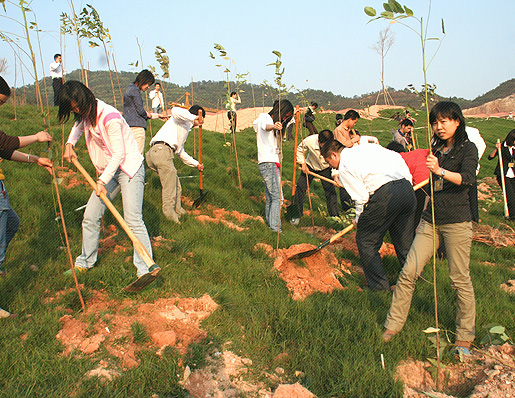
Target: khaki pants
(160, 159)
(458, 239)
(139, 135)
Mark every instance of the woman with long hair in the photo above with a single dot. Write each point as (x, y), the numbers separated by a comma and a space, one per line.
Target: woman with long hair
(269, 128)
(115, 155)
(507, 148)
(453, 162)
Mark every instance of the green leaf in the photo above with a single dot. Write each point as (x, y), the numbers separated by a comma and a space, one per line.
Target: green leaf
(497, 330)
(277, 53)
(432, 361)
(408, 12)
(397, 7)
(387, 7)
(370, 11)
(443, 27)
(431, 330)
(387, 14)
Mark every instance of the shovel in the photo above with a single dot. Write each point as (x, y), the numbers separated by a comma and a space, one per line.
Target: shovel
(292, 211)
(339, 234)
(145, 279)
(197, 202)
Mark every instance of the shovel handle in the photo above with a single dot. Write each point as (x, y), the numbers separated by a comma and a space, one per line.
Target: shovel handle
(138, 246)
(201, 182)
(341, 233)
(323, 178)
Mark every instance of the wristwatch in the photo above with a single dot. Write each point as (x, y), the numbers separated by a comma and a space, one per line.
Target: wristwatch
(443, 173)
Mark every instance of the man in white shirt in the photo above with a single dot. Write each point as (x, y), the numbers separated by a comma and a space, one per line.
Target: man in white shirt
(168, 141)
(157, 99)
(379, 182)
(475, 137)
(56, 72)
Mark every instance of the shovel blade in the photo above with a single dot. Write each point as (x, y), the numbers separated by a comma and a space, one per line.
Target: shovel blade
(142, 282)
(201, 199)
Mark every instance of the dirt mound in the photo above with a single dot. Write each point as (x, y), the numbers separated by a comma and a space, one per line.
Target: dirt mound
(484, 191)
(501, 105)
(345, 243)
(219, 123)
(509, 287)
(489, 373)
(316, 273)
(125, 327)
(70, 178)
(226, 217)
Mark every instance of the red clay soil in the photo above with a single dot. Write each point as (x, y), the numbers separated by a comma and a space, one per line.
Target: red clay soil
(70, 177)
(171, 322)
(489, 374)
(509, 287)
(226, 217)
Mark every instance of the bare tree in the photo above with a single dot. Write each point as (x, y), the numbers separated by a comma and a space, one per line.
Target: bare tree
(382, 47)
(3, 65)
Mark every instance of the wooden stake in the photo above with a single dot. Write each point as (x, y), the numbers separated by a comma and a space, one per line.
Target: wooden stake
(501, 164)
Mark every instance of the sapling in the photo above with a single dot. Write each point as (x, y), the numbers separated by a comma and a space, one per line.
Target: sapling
(382, 47)
(71, 25)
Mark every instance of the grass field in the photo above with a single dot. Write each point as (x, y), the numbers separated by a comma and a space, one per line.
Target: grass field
(334, 340)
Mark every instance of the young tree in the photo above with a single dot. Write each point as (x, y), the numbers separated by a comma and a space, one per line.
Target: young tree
(382, 47)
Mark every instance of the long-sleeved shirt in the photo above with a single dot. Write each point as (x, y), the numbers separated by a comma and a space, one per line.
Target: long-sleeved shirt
(363, 169)
(308, 151)
(175, 132)
(8, 144)
(267, 141)
(111, 143)
(56, 70)
(231, 106)
(157, 98)
(478, 141)
(133, 111)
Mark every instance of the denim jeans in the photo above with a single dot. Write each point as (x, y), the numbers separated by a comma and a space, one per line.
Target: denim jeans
(132, 198)
(9, 222)
(271, 174)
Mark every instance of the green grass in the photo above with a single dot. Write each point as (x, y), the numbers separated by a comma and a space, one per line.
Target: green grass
(334, 339)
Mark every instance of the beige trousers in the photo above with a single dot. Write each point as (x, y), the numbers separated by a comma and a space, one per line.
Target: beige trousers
(458, 240)
(139, 135)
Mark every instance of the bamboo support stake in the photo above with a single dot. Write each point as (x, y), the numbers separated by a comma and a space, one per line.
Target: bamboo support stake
(501, 165)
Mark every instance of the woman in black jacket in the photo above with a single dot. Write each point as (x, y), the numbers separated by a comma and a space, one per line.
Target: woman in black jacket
(508, 155)
(453, 163)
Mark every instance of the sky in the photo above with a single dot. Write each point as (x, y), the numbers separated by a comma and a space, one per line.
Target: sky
(326, 45)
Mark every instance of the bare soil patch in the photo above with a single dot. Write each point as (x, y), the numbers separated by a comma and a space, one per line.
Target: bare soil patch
(497, 237)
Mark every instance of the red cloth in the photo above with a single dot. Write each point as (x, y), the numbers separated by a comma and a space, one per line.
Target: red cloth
(416, 161)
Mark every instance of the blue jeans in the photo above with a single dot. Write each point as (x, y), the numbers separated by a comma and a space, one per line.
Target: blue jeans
(271, 174)
(9, 222)
(132, 198)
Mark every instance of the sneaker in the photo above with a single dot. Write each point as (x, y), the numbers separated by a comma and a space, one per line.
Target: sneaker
(78, 270)
(6, 314)
(388, 334)
(154, 270)
(180, 211)
(462, 351)
(295, 221)
(174, 217)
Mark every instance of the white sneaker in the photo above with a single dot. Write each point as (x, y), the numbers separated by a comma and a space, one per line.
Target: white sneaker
(295, 221)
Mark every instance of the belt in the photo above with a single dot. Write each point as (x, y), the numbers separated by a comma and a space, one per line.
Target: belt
(162, 143)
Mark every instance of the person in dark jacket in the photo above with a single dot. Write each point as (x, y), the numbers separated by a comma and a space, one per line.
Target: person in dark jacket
(507, 148)
(309, 118)
(453, 164)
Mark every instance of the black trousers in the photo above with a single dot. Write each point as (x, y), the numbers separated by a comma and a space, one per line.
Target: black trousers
(57, 84)
(329, 190)
(311, 128)
(510, 194)
(420, 195)
(345, 199)
(473, 202)
(391, 208)
(231, 115)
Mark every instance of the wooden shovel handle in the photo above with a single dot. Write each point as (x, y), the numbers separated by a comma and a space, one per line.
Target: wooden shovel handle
(420, 184)
(323, 178)
(341, 233)
(138, 246)
(201, 182)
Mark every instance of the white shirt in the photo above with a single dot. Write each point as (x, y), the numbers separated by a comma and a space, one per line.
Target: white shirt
(476, 138)
(363, 169)
(56, 70)
(268, 150)
(368, 139)
(232, 105)
(175, 132)
(157, 98)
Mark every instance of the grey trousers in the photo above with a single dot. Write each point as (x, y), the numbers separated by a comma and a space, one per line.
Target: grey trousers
(160, 159)
(458, 240)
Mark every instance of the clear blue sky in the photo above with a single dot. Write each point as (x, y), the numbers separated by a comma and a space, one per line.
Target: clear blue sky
(324, 44)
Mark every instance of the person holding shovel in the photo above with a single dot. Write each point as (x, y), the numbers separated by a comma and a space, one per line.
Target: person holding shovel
(453, 162)
(169, 141)
(379, 182)
(269, 129)
(310, 159)
(507, 149)
(9, 220)
(114, 153)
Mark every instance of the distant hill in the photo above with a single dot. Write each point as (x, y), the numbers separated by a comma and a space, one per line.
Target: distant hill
(211, 94)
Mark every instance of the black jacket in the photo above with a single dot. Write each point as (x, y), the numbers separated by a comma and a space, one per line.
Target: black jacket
(506, 158)
(452, 202)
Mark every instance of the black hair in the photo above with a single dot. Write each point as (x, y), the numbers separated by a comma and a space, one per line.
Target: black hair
(331, 147)
(406, 122)
(452, 111)
(325, 136)
(195, 108)
(4, 87)
(77, 92)
(56, 55)
(339, 116)
(284, 109)
(352, 114)
(144, 77)
(157, 84)
(510, 138)
(233, 93)
(396, 147)
(314, 105)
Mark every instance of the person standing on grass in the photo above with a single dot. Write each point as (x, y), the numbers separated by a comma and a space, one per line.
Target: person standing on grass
(507, 148)
(231, 113)
(169, 141)
(379, 182)
(134, 112)
(310, 159)
(114, 153)
(453, 163)
(404, 134)
(56, 73)
(157, 99)
(268, 128)
(9, 220)
(309, 118)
